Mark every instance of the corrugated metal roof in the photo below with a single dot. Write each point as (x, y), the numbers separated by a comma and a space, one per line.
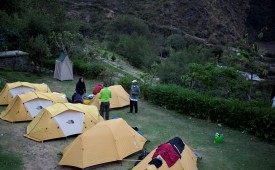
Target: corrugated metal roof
(13, 53)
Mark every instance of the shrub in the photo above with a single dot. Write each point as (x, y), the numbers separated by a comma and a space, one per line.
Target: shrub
(254, 119)
(49, 64)
(125, 82)
(94, 70)
(138, 50)
(2, 83)
(89, 70)
(176, 65)
(113, 58)
(126, 25)
(79, 67)
(176, 41)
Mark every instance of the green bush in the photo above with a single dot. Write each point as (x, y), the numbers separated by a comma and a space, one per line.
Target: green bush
(126, 25)
(176, 41)
(113, 58)
(49, 64)
(2, 83)
(175, 66)
(125, 82)
(88, 70)
(138, 50)
(94, 70)
(246, 116)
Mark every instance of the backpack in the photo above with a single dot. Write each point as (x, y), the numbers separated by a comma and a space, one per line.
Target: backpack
(142, 156)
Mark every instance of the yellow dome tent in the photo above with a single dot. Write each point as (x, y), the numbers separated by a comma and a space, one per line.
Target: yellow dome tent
(120, 98)
(25, 107)
(61, 120)
(12, 89)
(188, 161)
(107, 141)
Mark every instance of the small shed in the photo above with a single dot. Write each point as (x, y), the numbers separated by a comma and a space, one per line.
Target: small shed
(63, 68)
(15, 60)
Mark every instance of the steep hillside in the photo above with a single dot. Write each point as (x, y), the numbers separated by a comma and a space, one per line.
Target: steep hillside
(212, 19)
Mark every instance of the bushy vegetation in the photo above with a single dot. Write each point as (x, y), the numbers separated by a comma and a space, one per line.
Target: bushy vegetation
(126, 82)
(177, 64)
(130, 37)
(255, 119)
(137, 50)
(176, 41)
(214, 80)
(29, 26)
(88, 70)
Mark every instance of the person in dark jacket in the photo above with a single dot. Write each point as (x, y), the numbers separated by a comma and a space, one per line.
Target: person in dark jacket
(77, 98)
(134, 93)
(80, 86)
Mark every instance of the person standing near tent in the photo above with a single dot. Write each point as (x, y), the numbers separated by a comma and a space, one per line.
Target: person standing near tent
(80, 86)
(134, 93)
(105, 95)
(97, 89)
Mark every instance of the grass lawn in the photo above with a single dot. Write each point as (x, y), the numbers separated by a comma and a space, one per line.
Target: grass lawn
(237, 151)
(9, 160)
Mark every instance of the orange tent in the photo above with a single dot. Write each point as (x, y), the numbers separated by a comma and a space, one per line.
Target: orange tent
(120, 98)
(12, 89)
(25, 107)
(61, 120)
(105, 142)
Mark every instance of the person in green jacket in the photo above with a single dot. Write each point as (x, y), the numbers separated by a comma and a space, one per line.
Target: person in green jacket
(105, 95)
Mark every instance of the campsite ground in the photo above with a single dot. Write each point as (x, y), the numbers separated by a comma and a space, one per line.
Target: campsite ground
(237, 151)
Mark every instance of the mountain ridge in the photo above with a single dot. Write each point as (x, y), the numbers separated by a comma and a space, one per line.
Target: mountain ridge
(219, 22)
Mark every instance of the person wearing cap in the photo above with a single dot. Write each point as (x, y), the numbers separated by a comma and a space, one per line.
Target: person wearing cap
(105, 95)
(134, 93)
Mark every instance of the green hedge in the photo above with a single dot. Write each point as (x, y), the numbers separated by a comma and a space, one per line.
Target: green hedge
(49, 64)
(88, 70)
(242, 115)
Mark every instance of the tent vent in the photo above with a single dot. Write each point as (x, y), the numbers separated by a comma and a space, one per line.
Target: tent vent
(39, 107)
(70, 122)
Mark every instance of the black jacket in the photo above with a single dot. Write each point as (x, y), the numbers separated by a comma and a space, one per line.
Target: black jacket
(80, 87)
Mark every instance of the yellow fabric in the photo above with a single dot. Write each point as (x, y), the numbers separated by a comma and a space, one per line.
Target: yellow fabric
(43, 127)
(6, 97)
(107, 141)
(86, 101)
(188, 161)
(16, 110)
(120, 98)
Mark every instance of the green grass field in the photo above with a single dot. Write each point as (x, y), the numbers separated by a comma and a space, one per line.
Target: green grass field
(237, 151)
(9, 161)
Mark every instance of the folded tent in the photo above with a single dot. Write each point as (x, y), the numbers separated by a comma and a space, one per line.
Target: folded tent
(107, 141)
(10, 90)
(120, 98)
(25, 107)
(62, 120)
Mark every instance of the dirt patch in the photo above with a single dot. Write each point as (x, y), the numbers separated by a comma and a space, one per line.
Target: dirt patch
(40, 156)
(35, 155)
(123, 66)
